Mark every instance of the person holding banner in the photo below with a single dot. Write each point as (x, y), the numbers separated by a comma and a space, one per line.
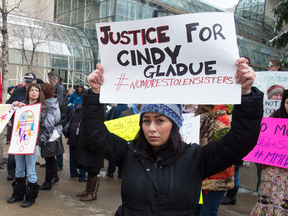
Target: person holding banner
(25, 164)
(162, 175)
(272, 183)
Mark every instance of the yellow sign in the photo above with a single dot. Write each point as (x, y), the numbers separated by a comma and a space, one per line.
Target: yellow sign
(126, 127)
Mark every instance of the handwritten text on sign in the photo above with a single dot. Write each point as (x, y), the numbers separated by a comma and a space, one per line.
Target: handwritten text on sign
(272, 145)
(270, 106)
(266, 79)
(167, 56)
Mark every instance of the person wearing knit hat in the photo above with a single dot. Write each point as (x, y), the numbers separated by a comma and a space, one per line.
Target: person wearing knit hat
(161, 174)
(275, 92)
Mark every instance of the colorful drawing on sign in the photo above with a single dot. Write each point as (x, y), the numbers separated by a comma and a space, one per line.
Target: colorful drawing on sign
(25, 130)
(272, 145)
(6, 111)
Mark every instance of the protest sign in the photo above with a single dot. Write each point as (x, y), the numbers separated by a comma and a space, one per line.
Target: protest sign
(270, 106)
(190, 128)
(128, 127)
(265, 79)
(25, 130)
(157, 60)
(6, 112)
(272, 145)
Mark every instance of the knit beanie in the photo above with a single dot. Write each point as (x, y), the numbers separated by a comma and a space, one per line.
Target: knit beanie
(171, 111)
(274, 89)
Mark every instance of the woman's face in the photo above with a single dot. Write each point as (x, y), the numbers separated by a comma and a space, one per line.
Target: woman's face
(11, 91)
(70, 92)
(277, 96)
(286, 105)
(34, 93)
(272, 67)
(156, 128)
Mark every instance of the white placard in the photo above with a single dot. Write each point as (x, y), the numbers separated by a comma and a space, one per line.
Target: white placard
(270, 106)
(190, 130)
(265, 79)
(6, 112)
(25, 130)
(162, 60)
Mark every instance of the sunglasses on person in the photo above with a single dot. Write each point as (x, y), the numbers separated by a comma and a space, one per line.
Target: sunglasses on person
(270, 65)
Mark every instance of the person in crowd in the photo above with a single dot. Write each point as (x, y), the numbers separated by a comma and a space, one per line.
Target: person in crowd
(39, 81)
(18, 85)
(230, 197)
(115, 113)
(162, 175)
(214, 124)
(17, 95)
(275, 65)
(88, 161)
(60, 91)
(9, 127)
(51, 123)
(272, 194)
(275, 92)
(76, 114)
(69, 92)
(10, 91)
(25, 164)
(76, 97)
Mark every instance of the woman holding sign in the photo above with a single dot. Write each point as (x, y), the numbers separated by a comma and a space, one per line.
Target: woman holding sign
(162, 175)
(273, 188)
(25, 164)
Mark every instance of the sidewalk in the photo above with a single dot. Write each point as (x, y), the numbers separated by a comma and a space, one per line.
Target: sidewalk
(62, 200)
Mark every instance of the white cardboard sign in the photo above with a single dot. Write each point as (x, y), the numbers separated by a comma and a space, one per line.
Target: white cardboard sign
(270, 106)
(6, 112)
(265, 79)
(190, 130)
(25, 130)
(162, 60)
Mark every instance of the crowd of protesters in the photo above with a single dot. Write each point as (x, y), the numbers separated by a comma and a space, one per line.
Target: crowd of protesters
(154, 165)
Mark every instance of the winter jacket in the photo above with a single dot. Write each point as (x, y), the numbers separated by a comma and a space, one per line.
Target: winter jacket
(17, 95)
(118, 110)
(74, 124)
(213, 126)
(61, 92)
(174, 189)
(74, 99)
(52, 120)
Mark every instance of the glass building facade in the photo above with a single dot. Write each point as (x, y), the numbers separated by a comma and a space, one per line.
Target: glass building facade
(66, 49)
(252, 34)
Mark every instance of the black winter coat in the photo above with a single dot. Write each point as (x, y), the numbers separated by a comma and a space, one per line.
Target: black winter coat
(61, 92)
(74, 124)
(173, 190)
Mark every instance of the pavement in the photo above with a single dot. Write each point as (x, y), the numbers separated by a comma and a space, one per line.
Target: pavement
(62, 200)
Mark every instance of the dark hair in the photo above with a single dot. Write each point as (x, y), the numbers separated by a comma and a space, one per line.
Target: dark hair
(277, 63)
(282, 111)
(169, 152)
(247, 59)
(40, 98)
(48, 90)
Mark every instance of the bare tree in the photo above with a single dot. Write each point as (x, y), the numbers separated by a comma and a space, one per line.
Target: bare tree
(4, 54)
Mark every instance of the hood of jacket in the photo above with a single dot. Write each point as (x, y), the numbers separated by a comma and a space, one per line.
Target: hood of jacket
(52, 102)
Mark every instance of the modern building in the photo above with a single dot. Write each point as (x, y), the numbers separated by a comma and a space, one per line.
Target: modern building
(75, 38)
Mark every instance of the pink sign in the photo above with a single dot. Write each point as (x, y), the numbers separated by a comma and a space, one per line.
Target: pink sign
(272, 145)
